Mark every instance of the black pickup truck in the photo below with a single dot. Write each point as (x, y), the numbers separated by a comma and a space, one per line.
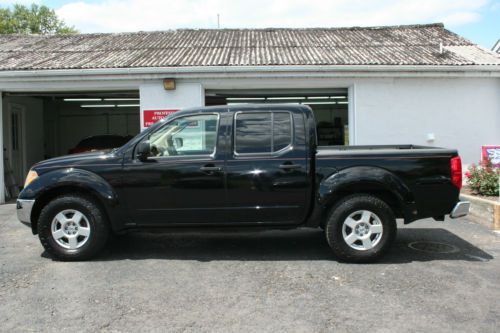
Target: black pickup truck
(246, 166)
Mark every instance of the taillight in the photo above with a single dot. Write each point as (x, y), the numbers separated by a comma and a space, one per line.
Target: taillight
(456, 171)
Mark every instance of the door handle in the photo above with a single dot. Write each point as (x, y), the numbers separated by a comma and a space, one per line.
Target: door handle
(290, 166)
(210, 168)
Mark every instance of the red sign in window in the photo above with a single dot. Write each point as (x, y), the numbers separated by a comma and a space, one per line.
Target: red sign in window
(152, 116)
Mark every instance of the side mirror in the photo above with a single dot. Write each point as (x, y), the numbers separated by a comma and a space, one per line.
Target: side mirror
(178, 142)
(143, 150)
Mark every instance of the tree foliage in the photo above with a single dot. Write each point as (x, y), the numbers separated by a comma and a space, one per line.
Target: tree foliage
(34, 19)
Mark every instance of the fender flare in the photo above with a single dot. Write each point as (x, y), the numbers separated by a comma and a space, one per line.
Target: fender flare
(363, 178)
(72, 178)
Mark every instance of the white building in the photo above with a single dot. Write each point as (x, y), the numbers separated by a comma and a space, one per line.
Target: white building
(418, 84)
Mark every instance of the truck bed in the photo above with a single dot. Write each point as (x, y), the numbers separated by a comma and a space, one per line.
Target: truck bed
(423, 171)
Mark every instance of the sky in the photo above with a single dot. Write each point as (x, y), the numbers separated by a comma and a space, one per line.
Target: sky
(477, 20)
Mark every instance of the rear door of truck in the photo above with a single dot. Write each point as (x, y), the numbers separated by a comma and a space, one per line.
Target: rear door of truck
(267, 167)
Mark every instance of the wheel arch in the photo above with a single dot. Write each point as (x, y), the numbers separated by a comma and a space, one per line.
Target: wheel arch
(372, 181)
(62, 190)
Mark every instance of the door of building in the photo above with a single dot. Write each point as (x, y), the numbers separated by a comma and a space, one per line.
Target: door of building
(15, 149)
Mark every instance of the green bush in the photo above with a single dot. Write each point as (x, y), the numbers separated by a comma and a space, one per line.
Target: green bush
(483, 179)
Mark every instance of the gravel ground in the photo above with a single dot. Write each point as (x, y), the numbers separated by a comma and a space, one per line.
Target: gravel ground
(275, 281)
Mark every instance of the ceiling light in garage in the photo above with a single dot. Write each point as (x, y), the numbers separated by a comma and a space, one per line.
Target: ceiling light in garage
(83, 99)
(342, 102)
(121, 99)
(319, 103)
(246, 98)
(97, 105)
(284, 98)
(338, 97)
(128, 105)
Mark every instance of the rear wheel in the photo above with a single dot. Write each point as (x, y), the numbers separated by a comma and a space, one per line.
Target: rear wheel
(360, 228)
(72, 228)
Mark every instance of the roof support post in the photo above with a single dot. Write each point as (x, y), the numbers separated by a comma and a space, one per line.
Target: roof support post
(2, 180)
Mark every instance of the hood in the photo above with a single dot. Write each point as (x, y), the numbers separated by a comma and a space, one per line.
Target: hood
(73, 160)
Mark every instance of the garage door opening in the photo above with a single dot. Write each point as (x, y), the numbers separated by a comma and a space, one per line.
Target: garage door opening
(330, 107)
(37, 126)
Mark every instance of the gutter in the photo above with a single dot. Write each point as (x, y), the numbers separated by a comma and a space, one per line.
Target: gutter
(251, 71)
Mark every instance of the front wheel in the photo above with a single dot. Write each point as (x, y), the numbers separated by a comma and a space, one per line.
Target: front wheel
(360, 228)
(72, 228)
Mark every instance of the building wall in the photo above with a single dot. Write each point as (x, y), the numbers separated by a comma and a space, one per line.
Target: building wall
(155, 97)
(462, 113)
(459, 112)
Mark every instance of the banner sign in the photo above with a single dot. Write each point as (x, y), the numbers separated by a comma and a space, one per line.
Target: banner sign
(152, 116)
(493, 154)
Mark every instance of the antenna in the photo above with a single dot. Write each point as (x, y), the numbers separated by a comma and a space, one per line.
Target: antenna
(218, 21)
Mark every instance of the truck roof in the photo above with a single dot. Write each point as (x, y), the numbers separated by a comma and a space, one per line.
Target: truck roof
(244, 107)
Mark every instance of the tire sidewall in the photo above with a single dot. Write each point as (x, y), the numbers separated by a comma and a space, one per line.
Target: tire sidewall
(343, 210)
(98, 229)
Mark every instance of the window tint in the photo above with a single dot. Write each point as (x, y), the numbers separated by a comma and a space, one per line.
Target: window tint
(193, 135)
(282, 130)
(253, 133)
(262, 132)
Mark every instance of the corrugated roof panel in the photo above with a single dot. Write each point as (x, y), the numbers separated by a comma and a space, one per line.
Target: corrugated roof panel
(400, 45)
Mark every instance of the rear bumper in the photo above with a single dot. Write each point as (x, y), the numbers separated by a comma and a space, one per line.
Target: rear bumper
(460, 209)
(23, 208)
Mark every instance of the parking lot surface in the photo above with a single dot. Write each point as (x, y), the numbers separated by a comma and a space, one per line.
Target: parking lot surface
(439, 277)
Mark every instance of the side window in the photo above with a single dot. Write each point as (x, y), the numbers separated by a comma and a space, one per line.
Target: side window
(262, 132)
(191, 135)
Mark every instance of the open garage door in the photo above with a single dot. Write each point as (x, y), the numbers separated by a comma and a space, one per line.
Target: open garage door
(38, 126)
(330, 107)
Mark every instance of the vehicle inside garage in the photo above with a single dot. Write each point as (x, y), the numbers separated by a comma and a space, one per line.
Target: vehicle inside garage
(330, 107)
(38, 126)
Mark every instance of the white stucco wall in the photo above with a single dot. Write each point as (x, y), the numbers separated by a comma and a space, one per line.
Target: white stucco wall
(462, 113)
(155, 97)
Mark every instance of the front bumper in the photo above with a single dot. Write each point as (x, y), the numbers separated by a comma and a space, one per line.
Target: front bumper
(460, 209)
(24, 208)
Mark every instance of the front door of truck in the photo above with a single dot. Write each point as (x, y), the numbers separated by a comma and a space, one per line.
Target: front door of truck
(267, 171)
(182, 181)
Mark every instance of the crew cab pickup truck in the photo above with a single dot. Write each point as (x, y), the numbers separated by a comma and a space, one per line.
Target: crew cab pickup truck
(246, 166)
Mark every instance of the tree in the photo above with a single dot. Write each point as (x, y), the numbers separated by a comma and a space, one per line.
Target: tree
(32, 20)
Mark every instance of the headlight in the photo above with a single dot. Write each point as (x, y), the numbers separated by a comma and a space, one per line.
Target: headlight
(32, 175)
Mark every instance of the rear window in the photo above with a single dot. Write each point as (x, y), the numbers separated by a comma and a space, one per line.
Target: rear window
(262, 132)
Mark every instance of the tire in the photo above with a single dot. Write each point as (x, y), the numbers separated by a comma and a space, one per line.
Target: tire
(360, 228)
(66, 235)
